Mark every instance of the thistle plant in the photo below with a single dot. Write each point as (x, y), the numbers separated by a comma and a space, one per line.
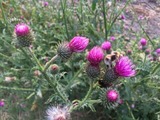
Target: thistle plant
(91, 64)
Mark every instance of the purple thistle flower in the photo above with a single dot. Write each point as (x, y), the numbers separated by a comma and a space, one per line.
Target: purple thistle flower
(112, 38)
(143, 42)
(106, 45)
(124, 67)
(158, 51)
(95, 55)
(45, 4)
(122, 17)
(2, 103)
(112, 95)
(23, 35)
(22, 29)
(78, 43)
(58, 113)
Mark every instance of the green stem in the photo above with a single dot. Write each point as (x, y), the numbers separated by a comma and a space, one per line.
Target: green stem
(81, 10)
(84, 100)
(146, 34)
(16, 89)
(44, 74)
(144, 60)
(5, 56)
(50, 62)
(35, 59)
(120, 12)
(25, 53)
(64, 15)
(73, 78)
(4, 17)
(155, 68)
(130, 111)
(104, 18)
(22, 89)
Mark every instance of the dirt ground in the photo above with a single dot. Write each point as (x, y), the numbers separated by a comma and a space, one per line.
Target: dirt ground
(148, 12)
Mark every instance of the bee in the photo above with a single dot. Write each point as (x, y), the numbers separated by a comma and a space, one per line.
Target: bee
(110, 60)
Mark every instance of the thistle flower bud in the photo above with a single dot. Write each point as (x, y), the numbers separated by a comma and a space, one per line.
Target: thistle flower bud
(143, 42)
(147, 51)
(106, 45)
(37, 73)
(112, 38)
(110, 76)
(122, 17)
(58, 113)
(54, 69)
(45, 4)
(93, 71)
(112, 95)
(23, 35)
(95, 55)
(64, 51)
(129, 52)
(78, 43)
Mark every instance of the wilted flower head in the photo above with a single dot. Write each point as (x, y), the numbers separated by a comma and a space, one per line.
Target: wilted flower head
(112, 95)
(58, 113)
(78, 43)
(124, 67)
(106, 45)
(2, 103)
(21, 29)
(143, 42)
(9, 79)
(95, 55)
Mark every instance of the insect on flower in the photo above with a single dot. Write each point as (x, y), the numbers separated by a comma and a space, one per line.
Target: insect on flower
(110, 61)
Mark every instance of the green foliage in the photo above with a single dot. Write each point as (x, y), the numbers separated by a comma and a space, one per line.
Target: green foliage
(31, 94)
